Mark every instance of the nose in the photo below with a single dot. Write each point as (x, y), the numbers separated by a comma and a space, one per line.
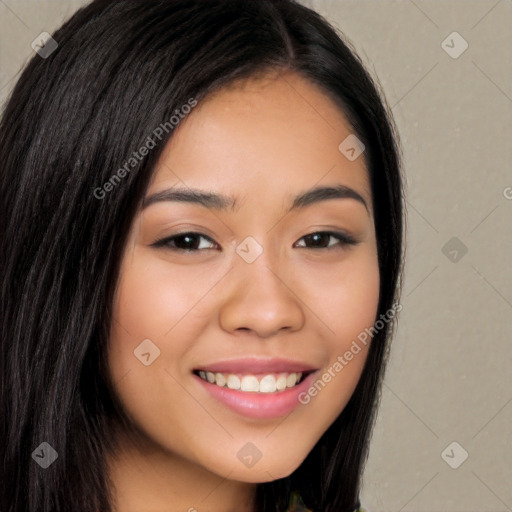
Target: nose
(260, 300)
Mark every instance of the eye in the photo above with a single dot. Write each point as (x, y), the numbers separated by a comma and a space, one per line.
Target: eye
(188, 242)
(194, 242)
(323, 239)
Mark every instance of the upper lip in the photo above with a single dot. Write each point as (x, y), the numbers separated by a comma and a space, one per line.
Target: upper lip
(257, 365)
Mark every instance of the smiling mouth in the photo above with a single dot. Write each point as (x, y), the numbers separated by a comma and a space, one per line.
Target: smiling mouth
(254, 383)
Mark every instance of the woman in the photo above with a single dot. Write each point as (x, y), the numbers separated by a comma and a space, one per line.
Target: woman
(202, 237)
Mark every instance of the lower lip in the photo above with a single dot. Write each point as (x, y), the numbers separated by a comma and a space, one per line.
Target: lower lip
(259, 405)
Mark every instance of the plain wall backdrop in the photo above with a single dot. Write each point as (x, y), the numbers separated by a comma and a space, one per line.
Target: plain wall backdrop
(450, 374)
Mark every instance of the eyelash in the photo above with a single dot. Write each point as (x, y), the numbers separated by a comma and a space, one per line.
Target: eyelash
(343, 239)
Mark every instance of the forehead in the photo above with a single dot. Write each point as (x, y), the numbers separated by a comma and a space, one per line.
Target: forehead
(264, 138)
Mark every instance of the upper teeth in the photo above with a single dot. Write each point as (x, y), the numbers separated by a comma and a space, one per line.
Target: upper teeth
(264, 384)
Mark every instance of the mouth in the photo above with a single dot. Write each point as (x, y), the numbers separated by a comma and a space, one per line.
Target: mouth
(259, 389)
(254, 382)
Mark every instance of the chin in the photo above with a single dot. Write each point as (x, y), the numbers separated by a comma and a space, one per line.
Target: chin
(262, 473)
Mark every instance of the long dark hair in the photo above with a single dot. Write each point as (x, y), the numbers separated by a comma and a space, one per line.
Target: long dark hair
(121, 69)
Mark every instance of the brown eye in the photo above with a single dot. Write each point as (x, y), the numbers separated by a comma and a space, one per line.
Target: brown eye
(189, 242)
(324, 239)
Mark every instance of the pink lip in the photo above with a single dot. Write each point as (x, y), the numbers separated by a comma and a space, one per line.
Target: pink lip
(255, 365)
(259, 405)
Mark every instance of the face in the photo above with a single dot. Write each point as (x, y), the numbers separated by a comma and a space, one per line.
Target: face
(262, 290)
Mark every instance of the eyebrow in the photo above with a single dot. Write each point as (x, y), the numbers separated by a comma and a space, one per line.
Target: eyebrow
(221, 202)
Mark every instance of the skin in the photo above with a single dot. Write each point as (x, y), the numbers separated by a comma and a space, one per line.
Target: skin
(262, 141)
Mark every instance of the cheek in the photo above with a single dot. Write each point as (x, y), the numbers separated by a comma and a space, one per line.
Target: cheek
(151, 301)
(153, 314)
(156, 302)
(357, 303)
(346, 299)
(348, 303)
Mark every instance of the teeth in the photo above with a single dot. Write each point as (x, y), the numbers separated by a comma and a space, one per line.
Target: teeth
(268, 384)
(290, 380)
(264, 384)
(220, 379)
(233, 382)
(249, 383)
(281, 382)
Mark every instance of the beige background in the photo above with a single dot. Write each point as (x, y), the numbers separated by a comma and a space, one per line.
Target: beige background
(450, 373)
